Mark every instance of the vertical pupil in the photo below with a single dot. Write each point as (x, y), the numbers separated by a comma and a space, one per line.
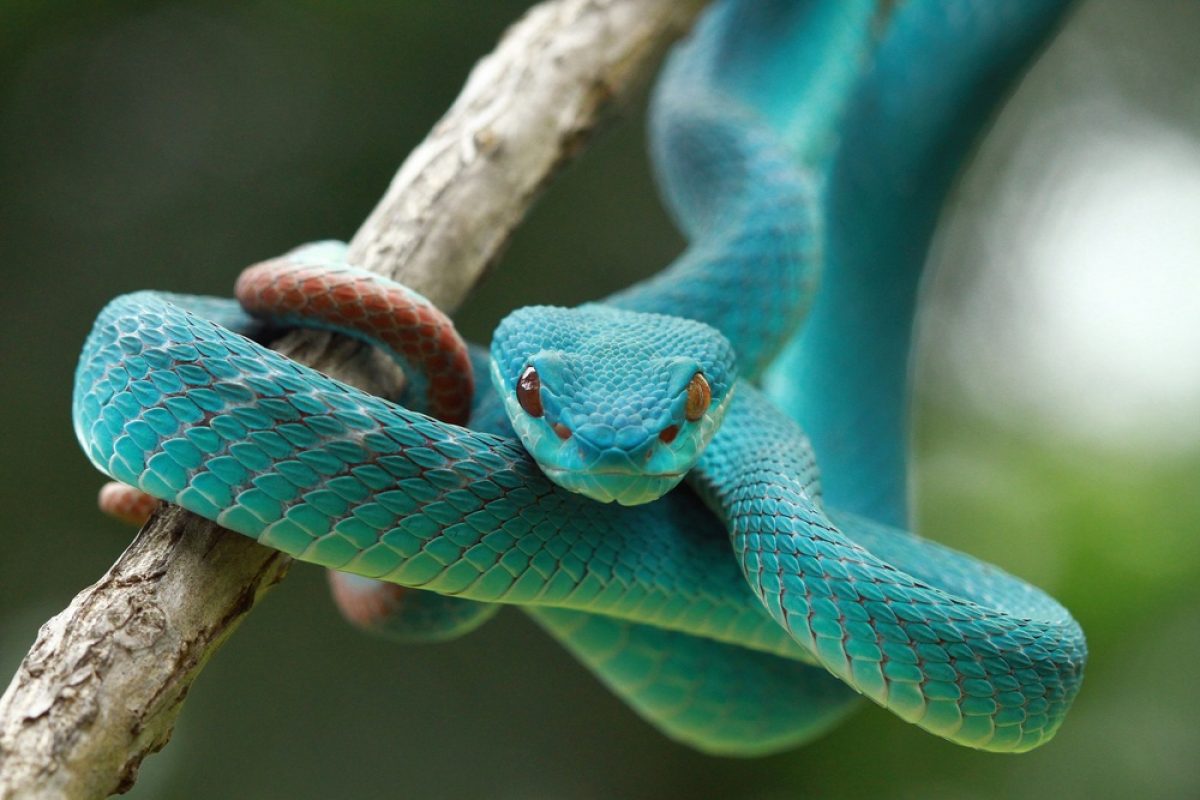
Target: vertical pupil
(529, 392)
(699, 395)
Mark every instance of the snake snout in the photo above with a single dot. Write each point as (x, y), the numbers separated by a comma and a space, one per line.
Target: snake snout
(609, 448)
(596, 436)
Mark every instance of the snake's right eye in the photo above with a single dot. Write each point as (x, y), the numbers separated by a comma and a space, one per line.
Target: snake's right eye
(529, 392)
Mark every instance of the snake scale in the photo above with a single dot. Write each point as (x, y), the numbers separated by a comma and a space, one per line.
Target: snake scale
(823, 597)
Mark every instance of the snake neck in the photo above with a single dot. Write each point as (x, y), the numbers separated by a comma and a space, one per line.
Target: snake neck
(751, 274)
(741, 121)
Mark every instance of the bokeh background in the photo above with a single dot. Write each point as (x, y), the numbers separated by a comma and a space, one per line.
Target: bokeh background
(166, 144)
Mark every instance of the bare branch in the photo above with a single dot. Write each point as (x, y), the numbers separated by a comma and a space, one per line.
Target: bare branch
(106, 678)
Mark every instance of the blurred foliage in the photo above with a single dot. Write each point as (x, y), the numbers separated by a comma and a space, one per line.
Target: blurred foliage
(165, 145)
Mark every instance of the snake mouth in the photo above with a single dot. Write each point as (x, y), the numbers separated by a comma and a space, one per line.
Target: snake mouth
(625, 487)
(555, 472)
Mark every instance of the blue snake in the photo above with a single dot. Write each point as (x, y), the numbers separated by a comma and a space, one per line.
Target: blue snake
(824, 596)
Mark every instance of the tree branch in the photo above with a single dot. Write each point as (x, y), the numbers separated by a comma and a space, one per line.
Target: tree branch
(106, 678)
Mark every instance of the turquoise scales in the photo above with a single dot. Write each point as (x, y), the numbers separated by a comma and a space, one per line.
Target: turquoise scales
(199, 416)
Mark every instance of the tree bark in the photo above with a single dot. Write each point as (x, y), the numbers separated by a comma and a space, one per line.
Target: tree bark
(107, 677)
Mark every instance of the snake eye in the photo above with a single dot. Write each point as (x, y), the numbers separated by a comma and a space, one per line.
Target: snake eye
(529, 392)
(699, 397)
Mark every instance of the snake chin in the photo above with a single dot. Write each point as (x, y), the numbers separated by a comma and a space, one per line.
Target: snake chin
(623, 488)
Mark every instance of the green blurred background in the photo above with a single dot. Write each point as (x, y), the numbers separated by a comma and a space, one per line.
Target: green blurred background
(165, 145)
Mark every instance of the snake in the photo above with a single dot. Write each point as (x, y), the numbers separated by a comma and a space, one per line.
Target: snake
(741, 612)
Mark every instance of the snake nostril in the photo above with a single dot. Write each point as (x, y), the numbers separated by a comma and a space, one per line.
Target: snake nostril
(562, 431)
(668, 434)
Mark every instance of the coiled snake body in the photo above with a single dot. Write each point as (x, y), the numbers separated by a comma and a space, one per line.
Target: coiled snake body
(744, 654)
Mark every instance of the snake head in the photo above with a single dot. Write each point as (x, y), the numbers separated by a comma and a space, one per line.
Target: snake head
(612, 404)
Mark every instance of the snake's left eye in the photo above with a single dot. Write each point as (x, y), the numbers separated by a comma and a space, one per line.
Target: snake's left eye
(529, 392)
(699, 397)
